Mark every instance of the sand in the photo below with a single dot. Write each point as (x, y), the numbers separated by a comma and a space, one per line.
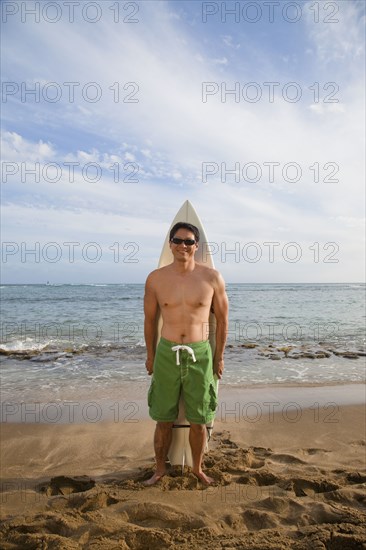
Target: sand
(287, 480)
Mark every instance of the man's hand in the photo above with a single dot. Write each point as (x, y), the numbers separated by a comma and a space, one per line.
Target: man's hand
(218, 367)
(149, 365)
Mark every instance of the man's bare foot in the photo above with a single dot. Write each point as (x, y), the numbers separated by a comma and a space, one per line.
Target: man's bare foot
(205, 479)
(154, 479)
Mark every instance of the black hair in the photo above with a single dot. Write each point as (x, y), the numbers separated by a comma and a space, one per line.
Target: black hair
(185, 225)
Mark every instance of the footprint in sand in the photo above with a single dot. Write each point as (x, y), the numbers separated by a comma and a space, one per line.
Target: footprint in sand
(262, 479)
(355, 477)
(308, 487)
(315, 451)
(256, 520)
(158, 515)
(88, 502)
(63, 485)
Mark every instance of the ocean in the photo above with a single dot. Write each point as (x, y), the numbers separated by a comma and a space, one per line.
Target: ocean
(70, 341)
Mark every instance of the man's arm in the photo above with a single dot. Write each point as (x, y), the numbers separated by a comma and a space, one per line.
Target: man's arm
(221, 308)
(151, 308)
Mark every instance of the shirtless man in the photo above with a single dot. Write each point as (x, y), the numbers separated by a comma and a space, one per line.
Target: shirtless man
(184, 293)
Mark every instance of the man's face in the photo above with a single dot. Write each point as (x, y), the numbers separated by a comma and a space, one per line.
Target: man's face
(182, 251)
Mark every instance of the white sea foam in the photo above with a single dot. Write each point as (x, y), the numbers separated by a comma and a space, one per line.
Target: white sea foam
(24, 345)
(71, 316)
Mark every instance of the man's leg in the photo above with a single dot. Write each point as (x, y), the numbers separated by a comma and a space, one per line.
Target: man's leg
(197, 440)
(162, 441)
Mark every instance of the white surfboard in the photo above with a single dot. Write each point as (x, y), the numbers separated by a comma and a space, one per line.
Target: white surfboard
(180, 450)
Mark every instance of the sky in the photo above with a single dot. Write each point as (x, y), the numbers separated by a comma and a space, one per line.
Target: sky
(115, 113)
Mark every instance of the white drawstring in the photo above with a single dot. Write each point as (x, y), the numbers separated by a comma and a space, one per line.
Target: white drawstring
(187, 348)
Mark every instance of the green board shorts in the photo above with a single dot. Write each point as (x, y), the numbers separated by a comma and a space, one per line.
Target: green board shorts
(195, 379)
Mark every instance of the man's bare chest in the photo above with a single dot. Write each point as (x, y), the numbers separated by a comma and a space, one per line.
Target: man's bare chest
(173, 296)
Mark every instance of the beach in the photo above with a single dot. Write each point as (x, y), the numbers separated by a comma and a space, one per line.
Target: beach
(288, 447)
(158, 157)
(288, 464)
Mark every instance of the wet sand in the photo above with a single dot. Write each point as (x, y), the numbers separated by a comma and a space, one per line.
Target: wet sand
(292, 477)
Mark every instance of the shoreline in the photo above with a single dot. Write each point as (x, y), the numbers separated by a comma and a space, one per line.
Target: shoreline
(25, 443)
(129, 403)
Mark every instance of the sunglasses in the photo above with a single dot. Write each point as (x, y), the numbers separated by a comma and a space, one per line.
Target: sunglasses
(187, 242)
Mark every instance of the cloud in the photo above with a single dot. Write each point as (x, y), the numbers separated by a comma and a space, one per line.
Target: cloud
(338, 32)
(170, 131)
(14, 148)
(220, 61)
(321, 108)
(229, 42)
